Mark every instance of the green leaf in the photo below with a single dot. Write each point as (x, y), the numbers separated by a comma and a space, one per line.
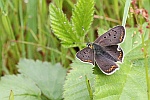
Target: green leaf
(49, 78)
(130, 81)
(126, 84)
(72, 34)
(82, 17)
(75, 87)
(22, 87)
(60, 25)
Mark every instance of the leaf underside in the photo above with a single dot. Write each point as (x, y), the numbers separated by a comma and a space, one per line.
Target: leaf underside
(36, 78)
(21, 86)
(49, 78)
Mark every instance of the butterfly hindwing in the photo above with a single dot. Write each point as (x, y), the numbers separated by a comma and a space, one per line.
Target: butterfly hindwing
(115, 51)
(107, 66)
(111, 37)
(86, 55)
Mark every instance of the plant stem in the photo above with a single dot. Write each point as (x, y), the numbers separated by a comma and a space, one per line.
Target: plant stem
(146, 65)
(38, 45)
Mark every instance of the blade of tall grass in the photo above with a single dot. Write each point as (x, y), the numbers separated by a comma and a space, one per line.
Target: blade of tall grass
(1, 56)
(52, 42)
(31, 24)
(116, 6)
(126, 10)
(14, 5)
(42, 19)
(70, 3)
(64, 53)
(23, 53)
(110, 11)
(2, 8)
(46, 38)
(8, 33)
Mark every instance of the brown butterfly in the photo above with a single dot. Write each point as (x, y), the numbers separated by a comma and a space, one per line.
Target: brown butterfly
(105, 50)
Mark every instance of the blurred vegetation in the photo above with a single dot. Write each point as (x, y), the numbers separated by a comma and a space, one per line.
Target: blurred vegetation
(25, 30)
(26, 33)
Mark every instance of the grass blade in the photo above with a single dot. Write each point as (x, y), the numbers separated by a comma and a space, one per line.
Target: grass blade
(126, 10)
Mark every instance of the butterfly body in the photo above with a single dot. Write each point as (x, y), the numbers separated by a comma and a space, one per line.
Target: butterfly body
(98, 50)
(105, 50)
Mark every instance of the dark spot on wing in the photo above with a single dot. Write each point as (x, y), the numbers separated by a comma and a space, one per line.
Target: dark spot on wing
(109, 34)
(114, 31)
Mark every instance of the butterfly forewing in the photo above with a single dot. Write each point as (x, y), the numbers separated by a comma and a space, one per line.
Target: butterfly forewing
(86, 55)
(107, 66)
(111, 37)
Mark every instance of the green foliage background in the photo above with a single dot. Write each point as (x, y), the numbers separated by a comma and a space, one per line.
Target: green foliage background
(39, 40)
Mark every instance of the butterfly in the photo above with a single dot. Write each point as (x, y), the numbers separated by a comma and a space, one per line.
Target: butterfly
(105, 50)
